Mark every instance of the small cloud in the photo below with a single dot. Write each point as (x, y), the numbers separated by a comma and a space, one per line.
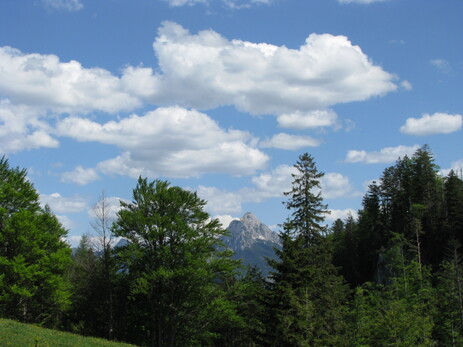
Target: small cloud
(397, 42)
(308, 120)
(385, 155)
(334, 185)
(60, 204)
(66, 222)
(442, 65)
(80, 175)
(362, 2)
(232, 4)
(341, 214)
(178, 3)
(290, 142)
(65, 5)
(457, 167)
(438, 123)
(406, 85)
(225, 220)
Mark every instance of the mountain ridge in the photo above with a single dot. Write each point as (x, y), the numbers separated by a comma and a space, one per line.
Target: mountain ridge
(252, 241)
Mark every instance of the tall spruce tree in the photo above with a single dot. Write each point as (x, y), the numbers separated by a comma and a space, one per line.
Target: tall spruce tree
(307, 295)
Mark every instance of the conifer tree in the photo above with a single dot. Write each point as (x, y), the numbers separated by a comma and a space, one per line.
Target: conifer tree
(400, 311)
(307, 295)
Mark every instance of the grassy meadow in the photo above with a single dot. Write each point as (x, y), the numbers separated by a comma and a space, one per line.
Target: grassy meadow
(24, 335)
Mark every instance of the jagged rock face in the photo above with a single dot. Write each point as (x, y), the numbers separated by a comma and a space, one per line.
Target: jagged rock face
(247, 231)
(252, 241)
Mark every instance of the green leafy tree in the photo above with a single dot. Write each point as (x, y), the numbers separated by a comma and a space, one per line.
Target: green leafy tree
(33, 256)
(173, 265)
(307, 296)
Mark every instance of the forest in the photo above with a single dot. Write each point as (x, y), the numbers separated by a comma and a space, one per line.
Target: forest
(393, 276)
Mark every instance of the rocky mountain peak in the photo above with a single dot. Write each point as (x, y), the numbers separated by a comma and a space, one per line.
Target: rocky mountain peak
(244, 233)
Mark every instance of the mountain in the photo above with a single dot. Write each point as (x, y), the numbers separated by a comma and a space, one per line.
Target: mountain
(252, 241)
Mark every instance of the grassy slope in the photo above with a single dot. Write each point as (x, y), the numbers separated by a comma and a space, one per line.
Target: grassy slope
(24, 335)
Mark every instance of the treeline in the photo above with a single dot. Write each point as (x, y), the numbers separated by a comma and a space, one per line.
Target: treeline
(392, 276)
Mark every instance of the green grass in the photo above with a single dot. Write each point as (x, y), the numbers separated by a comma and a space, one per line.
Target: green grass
(24, 335)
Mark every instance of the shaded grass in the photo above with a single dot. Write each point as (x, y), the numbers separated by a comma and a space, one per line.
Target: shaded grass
(24, 335)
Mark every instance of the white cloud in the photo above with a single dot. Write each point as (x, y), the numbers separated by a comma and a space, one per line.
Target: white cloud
(456, 166)
(385, 155)
(177, 3)
(290, 142)
(442, 65)
(438, 123)
(274, 183)
(22, 128)
(225, 220)
(364, 2)
(220, 201)
(266, 185)
(334, 185)
(341, 214)
(80, 175)
(66, 222)
(60, 204)
(43, 81)
(308, 120)
(239, 4)
(233, 4)
(202, 71)
(66, 5)
(406, 85)
(269, 185)
(207, 70)
(172, 142)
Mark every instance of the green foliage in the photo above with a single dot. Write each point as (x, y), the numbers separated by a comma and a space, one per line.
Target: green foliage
(33, 256)
(399, 313)
(449, 290)
(173, 265)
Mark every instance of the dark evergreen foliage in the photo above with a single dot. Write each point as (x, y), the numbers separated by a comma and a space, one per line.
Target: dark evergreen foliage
(307, 296)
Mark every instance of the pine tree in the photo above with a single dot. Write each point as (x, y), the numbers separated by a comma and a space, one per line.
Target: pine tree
(307, 294)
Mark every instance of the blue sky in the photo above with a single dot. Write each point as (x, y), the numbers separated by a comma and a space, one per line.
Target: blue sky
(222, 96)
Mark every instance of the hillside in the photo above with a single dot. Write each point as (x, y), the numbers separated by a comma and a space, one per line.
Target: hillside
(14, 334)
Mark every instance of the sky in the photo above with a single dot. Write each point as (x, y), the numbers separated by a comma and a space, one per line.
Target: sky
(222, 96)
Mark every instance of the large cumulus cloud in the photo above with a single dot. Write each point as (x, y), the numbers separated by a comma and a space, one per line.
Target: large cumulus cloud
(172, 141)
